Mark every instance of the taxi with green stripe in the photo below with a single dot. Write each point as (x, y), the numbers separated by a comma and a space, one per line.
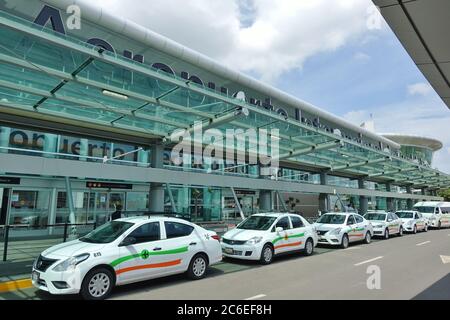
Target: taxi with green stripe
(125, 251)
(265, 235)
(385, 224)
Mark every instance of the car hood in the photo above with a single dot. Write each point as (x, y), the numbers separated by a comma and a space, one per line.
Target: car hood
(243, 235)
(327, 227)
(70, 249)
(405, 220)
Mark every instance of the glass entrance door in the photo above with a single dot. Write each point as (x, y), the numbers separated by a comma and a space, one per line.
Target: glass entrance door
(102, 204)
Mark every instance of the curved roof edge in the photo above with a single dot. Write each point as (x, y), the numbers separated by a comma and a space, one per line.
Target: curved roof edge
(143, 35)
(415, 140)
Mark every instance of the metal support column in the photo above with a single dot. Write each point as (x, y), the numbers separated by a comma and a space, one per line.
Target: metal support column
(156, 196)
(389, 201)
(238, 205)
(172, 201)
(409, 202)
(69, 197)
(324, 199)
(265, 201)
(281, 199)
(363, 201)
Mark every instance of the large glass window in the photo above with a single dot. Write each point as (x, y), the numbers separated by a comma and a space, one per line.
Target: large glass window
(30, 207)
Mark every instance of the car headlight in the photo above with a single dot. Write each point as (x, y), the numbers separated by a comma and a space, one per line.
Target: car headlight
(336, 231)
(254, 240)
(410, 222)
(71, 262)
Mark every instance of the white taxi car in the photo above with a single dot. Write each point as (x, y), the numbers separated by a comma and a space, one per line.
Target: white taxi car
(413, 221)
(125, 251)
(340, 229)
(264, 235)
(385, 223)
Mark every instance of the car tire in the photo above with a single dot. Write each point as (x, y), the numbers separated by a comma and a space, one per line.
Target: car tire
(368, 238)
(426, 228)
(400, 233)
(267, 253)
(97, 284)
(345, 241)
(439, 226)
(415, 229)
(197, 267)
(386, 234)
(309, 247)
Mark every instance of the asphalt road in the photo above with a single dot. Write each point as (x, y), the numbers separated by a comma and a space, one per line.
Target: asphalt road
(410, 267)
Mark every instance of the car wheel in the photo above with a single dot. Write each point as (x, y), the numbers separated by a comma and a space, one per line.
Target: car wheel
(439, 226)
(386, 234)
(97, 284)
(368, 238)
(344, 242)
(309, 247)
(400, 233)
(415, 229)
(426, 228)
(266, 254)
(197, 267)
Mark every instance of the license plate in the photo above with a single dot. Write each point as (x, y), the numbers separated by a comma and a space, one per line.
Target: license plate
(228, 250)
(35, 276)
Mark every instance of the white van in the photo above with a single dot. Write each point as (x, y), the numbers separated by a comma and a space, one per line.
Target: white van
(438, 213)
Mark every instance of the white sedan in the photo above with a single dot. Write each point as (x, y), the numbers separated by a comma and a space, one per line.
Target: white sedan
(125, 251)
(413, 221)
(385, 223)
(340, 229)
(264, 235)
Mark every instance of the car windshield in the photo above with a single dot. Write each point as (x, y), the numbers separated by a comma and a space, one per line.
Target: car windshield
(256, 223)
(332, 219)
(405, 215)
(375, 216)
(108, 232)
(425, 209)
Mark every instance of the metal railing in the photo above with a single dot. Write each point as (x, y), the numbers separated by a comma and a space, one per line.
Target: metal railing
(66, 226)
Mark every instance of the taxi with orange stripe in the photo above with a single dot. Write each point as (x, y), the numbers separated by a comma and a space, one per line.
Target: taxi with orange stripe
(262, 236)
(125, 251)
(341, 229)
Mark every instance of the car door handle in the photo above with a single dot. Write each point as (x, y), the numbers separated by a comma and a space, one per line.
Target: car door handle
(157, 249)
(193, 243)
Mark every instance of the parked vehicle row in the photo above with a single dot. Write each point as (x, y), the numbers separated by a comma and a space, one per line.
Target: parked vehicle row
(140, 248)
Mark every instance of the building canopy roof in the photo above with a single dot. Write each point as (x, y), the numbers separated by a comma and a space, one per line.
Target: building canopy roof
(46, 75)
(422, 27)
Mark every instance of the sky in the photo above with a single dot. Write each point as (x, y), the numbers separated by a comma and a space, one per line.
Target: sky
(338, 55)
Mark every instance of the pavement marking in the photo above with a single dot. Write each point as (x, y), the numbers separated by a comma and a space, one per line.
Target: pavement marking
(422, 243)
(445, 259)
(259, 296)
(352, 248)
(15, 285)
(368, 261)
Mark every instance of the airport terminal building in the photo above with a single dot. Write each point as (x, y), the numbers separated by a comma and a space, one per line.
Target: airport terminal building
(86, 117)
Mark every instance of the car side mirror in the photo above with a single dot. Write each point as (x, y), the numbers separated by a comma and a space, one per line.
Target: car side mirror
(279, 229)
(128, 241)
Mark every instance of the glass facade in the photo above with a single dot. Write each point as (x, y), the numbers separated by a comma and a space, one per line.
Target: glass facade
(415, 152)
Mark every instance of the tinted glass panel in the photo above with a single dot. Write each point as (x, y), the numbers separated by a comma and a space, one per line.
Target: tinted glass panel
(146, 233)
(296, 222)
(176, 230)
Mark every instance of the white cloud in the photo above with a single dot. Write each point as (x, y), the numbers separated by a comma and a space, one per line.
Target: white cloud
(421, 89)
(423, 116)
(262, 37)
(362, 57)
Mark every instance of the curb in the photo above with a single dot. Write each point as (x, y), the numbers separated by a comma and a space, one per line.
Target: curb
(15, 285)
